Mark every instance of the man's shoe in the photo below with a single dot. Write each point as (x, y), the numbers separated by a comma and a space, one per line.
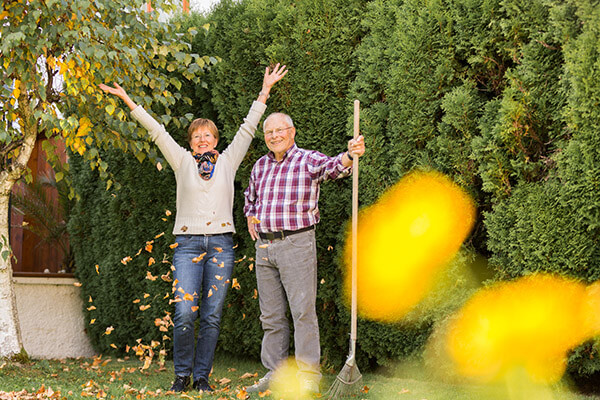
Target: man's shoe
(180, 383)
(261, 386)
(202, 385)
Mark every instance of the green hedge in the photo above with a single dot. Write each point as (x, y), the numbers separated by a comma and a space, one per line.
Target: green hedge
(501, 95)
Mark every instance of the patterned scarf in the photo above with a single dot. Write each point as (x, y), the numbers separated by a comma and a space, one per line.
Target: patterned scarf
(206, 163)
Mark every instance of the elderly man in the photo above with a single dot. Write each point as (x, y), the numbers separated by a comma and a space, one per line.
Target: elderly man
(282, 211)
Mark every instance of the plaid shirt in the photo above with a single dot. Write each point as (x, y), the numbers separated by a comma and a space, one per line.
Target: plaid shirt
(284, 195)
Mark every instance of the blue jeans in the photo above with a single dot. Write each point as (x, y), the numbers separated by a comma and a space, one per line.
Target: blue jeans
(208, 278)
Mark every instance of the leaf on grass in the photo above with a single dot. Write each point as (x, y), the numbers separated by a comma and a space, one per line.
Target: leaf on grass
(109, 330)
(224, 381)
(146, 295)
(114, 346)
(159, 235)
(241, 394)
(403, 391)
(329, 248)
(251, 267)
(167, 213)
(125, 260)
(322, 281)
(166, 277)
(235, 284)
(265, 393)
(92, 321)
(159, 166)
(365, 389)
(97, 271)
(173, 245)
(136, 301)
(148, 247)
(90, 308)
(241, 259)
(255, 295)
(151, 261)
(77, 284)
(249, 375)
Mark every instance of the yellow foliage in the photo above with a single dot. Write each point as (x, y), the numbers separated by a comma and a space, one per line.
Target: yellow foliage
(529, 323)
(405, 240)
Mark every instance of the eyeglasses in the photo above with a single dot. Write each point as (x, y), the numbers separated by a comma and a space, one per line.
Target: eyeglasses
(277, 131)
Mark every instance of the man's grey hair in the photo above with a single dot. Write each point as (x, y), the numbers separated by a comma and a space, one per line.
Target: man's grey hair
(286, 118)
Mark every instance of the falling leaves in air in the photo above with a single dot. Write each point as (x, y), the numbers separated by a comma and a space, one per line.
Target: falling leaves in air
(149, 276)
(222, 264)
(210, 293)
(254, 220)
(219, 249)
(195, 308)
(219, 277)
(188, 297)
(166, 277)
(199, 258)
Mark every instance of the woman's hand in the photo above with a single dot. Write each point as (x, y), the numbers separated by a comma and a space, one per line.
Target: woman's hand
(271, 77)
(120, 93)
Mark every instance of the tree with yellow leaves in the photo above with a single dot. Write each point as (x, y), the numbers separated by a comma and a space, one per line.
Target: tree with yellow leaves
(53, 54)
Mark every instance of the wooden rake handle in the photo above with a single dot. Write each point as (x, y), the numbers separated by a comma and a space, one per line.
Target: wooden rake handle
(354, 308)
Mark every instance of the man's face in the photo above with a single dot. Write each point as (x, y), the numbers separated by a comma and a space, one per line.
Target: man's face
(279, 135)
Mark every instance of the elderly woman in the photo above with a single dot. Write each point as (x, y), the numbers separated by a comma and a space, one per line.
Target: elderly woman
(204, 256)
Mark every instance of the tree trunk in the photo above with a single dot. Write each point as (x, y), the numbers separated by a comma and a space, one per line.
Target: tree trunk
(10, 335)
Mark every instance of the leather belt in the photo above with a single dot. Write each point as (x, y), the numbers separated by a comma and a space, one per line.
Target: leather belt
(282, 234)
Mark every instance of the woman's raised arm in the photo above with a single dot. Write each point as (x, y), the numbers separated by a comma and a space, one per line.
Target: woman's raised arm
(270, 78)
(120, 93)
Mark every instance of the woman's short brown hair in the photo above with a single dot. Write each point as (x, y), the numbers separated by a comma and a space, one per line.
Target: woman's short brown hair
(202, 123)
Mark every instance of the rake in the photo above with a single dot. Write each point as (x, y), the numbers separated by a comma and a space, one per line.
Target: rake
(349, 380)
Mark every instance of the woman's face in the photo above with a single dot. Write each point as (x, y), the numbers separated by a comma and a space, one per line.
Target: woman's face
(203, 140)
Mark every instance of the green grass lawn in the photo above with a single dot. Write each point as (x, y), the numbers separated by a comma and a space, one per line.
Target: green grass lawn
(115, 378)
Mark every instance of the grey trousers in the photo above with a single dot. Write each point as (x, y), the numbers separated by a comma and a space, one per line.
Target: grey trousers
(286, 272)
